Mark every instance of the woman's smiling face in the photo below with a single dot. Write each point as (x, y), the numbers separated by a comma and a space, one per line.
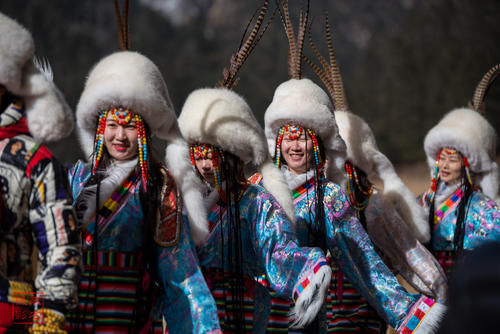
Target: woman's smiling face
(297, 151)
(120, 140)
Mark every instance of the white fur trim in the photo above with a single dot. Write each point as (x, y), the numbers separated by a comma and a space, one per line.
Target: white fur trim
(274, 181)
(471, 134)
(312, 298)
(126, 79)
(363, 152)
(179, 165)
(49, 116)
(304, 103)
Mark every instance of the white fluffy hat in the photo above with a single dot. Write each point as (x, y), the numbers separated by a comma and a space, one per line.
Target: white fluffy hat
(473, 136)
(302, 102)
(131, 80)
(362, 151)
(221, 117)
(49, 116)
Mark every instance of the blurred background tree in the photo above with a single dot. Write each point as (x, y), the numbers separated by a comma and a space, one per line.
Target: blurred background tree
(405, 63)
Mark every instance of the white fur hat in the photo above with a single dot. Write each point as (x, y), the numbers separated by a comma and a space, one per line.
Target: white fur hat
(472, 135)
(302, 102)
(131, 80)
(220, 117)
(49, 116)
(363, 152)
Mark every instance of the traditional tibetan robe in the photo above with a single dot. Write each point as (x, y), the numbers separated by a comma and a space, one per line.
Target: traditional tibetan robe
(356, 267)
(269, 248)
(116, 283)
(482, 222)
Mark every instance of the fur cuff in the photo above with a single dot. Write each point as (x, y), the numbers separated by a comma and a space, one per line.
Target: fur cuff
(311, 295)
(424, 317)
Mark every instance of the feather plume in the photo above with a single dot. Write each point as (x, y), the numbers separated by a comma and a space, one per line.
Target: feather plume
(295, 45)
(122, 23)
(245, 48)
(483, 87)
(330, 73)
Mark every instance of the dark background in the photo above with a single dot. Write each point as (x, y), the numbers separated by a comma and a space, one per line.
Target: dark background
(405, 63)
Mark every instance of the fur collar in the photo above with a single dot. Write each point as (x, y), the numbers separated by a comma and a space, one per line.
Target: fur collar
(114, 175)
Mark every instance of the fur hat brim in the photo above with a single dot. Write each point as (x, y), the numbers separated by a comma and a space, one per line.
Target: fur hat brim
(220, 117)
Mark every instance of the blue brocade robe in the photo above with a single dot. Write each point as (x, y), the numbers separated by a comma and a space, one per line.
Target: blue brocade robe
(185, 301)
(269, 247)
(482, 225)
(352, 250)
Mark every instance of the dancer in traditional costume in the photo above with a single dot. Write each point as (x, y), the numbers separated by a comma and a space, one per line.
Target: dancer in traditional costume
(35, 204)
(460, 203)
(301, 131)
(392, 217)
(250, 233)
(138, 251)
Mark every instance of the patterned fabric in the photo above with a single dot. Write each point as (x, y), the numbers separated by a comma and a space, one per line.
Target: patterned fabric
(352, 251)
(183, 297)
(35, 208)
(268, 247)
(482, 224)
(107, 297)
(404, 254)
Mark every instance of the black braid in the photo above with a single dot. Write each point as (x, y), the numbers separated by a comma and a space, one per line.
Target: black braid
(232, 173)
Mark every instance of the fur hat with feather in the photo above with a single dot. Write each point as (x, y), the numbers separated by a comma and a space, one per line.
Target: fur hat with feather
(362, 150)
(131, 80)
(300, 101)
(49, 116)
(220, 117)
(468, 131)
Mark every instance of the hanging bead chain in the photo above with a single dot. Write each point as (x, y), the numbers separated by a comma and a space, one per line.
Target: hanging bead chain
(277, 151)
(99, 139)
(317, 156)
(354, 183)
(142, 146)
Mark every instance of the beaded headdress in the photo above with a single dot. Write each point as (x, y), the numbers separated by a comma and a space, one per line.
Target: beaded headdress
(294, 132)
(434, 181)
(202, 151)
(122, 117)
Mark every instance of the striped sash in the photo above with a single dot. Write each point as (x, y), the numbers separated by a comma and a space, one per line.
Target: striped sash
(111, 206)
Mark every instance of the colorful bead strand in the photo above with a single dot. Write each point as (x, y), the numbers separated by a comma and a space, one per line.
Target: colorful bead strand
(99, 139)
(142, 147)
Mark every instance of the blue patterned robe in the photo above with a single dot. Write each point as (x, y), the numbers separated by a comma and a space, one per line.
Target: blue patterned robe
(184, 298)
(269, 247)
(352, 250)
(482, 225)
